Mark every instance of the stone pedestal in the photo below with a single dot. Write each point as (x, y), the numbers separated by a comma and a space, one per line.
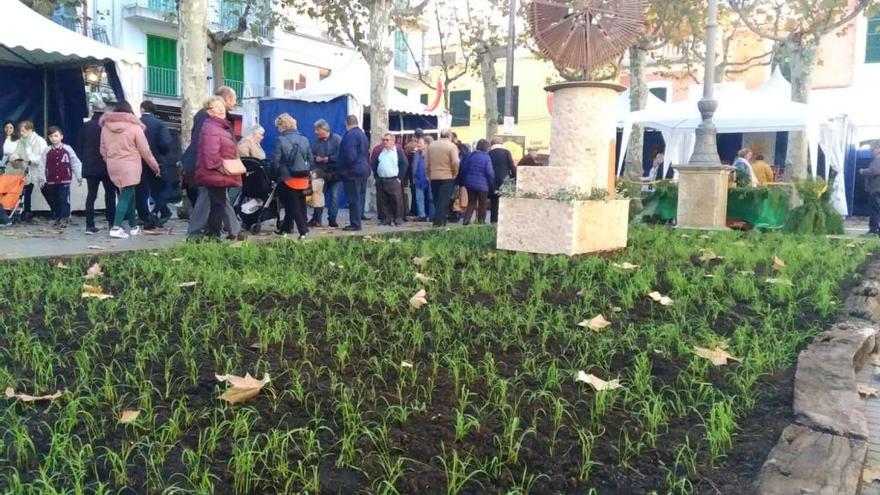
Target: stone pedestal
(702, 197)
(582, 144)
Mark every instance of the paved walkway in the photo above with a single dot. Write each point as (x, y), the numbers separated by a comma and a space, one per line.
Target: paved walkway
(870, 375)
(41, 239)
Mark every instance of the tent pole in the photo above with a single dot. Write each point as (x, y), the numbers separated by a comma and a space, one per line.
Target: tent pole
(45, 101)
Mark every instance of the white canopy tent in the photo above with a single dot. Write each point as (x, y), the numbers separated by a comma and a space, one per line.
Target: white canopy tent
(31, 41)
(623, 110)
(353, 79)
(767, 109)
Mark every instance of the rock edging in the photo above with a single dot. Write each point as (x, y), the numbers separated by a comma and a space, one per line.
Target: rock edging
(823, 451)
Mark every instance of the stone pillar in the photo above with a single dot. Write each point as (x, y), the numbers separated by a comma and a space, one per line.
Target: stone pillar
(702, 197)
(582, 144)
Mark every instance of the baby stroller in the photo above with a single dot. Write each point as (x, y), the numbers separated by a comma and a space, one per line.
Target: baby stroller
(257, 201)
(11, 197)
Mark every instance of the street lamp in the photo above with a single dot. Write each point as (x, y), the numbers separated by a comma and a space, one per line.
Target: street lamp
(703, 181)
(508, 82)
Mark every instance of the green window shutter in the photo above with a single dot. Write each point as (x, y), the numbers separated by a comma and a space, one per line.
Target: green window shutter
(400, 51)
(872, 43)
(233, 71)
(424, 98)
(403, 91)
(461, 111)
(659, 93)
(161, 66)
(500, 100)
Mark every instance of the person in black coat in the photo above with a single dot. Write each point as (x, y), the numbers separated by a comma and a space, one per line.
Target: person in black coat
(158, 187)
(502, 164)
(354, 169)
(94, 171)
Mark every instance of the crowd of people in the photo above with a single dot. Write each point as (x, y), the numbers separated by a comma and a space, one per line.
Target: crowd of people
(423, 179)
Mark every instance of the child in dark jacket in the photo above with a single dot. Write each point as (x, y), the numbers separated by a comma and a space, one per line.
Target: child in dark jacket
(478, 175)
(58, 166)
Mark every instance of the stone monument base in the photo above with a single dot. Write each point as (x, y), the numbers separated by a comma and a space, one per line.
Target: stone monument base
(702, 197)
(548, 226)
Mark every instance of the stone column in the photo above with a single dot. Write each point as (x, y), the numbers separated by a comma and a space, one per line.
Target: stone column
(582, 143)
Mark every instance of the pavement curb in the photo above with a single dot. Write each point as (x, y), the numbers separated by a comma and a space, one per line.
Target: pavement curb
(823, 450)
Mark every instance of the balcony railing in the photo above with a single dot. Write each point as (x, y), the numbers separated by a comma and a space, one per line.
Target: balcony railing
(162, 82)
(226, 14)
(93, 31)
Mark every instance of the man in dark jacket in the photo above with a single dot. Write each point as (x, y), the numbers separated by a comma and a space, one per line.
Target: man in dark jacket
(159, 139)
(502, 165)
(94, 171)
(325, 150)
(389, 164)
(354, 169)
(872, 187)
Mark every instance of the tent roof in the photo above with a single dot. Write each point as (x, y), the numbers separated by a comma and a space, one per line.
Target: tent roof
(623, 104)
(353, 79)
(29, 39)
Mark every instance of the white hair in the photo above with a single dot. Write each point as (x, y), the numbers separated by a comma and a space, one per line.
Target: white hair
(256, 129)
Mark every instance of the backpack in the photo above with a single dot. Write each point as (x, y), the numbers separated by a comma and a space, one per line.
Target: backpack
(295, 163)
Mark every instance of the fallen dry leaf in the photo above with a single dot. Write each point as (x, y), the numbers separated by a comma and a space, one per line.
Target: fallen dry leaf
(871, 473)
(421, 277)
(491, 255)
(746, 272)
(395, 240)
(778, 264)
(616, 309)
(704, 236)
(581, 293)
(93, 271)
(419, 300)
(188, 284)
(742, 244)
(597, 383)
(780, 281)
(851, 245)
(685, 236)
(154, 254)
(10, 393)
(660, 298)
(718, 357)
(257, 346)
(626, 265)
(334, 265)
(177, 260)
(597, 323)
(92, 291)
(128, 416)
(97, 248)
(406, 364)
(62, 266)
(421, 261)
(242, 388)
(709, 255)
(866, 391)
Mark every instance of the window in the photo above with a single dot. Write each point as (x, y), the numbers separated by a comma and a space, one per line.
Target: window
(161, 66)
(872, 43)
(435, 59)
(659, 92)
(424, 98)
(233, 72)
(460, 108)
(401, 61)
(403, 91)
(500, 99)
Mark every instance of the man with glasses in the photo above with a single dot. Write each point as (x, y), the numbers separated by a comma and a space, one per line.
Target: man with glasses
(390, 166)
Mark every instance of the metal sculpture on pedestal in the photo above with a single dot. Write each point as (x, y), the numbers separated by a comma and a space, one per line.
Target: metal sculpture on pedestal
(569, 206)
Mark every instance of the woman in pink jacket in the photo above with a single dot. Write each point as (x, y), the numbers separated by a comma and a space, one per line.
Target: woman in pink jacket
(123, 146)
(215, 145)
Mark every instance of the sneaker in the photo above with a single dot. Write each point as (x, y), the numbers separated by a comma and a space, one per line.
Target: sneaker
(92, 230)
(136, 230)
(240, 237)
(352, 228)
(314, 223)
(118, 233)
(303, 236)
(333, 225)
(56, 222)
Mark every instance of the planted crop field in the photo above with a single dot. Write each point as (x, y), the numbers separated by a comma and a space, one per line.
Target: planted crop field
(428, 364)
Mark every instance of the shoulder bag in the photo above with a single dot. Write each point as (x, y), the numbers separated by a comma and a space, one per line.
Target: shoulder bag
(233, 167)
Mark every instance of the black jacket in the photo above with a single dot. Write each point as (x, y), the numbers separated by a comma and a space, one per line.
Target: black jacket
(188, 160)
(158, 137)
(502, 164)
(330, 149)
(89, 149)
(292, 156)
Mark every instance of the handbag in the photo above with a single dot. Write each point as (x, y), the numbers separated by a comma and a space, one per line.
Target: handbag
(233, 167)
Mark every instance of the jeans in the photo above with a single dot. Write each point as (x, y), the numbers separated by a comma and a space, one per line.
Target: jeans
(389, 200)
(125, 209)
(874, 219)
(58, 198)
(27, 192)
(160, 189)
(295, 209)
(356, 193)
(142, 198)
(335, 197)
(92, 195)
(441, 190)
(424, 199)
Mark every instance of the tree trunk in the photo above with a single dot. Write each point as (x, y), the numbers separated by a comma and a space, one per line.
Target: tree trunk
(801, 59)
(490, 90)
(218, 69)
(193, 67)
(638, 100)
(379, 55)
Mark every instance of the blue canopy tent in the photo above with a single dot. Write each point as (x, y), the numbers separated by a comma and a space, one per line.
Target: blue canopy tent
(41, 75)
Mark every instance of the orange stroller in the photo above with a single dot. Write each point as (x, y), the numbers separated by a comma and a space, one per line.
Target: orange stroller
(11, 198)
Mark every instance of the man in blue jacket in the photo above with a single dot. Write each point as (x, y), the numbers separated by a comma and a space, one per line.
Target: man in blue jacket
(354, 169)
(159, 139)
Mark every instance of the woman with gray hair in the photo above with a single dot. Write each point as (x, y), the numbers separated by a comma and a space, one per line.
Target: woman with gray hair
(249, 146)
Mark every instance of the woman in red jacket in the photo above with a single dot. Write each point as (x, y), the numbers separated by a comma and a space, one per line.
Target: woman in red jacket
(215, 145)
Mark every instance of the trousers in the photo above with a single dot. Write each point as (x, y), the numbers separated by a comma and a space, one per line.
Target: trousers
(109, 199)
(198, 219)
